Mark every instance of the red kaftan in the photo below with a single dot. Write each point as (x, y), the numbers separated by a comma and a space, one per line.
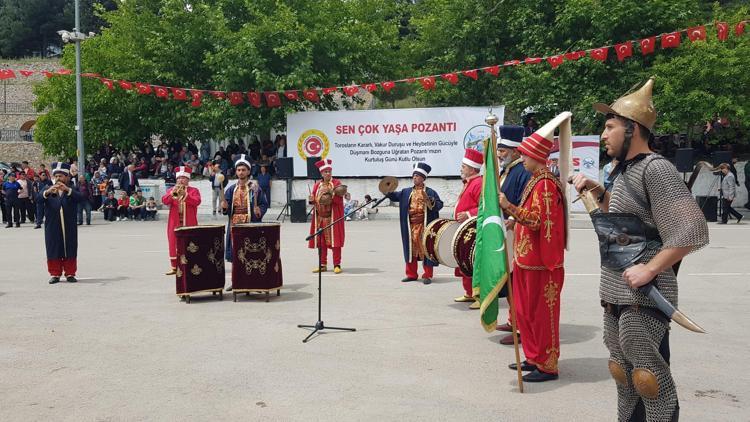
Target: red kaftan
(181, 213)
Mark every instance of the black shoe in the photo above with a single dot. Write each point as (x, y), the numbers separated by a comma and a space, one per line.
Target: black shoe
(525, 366)
(88, 223)
(9, 226)
(54, 280)
(37, 226)
(426, 281)
(18, 224)
(71, 279)
(539, 376)
(408, 279)
(740, 219)
(228, 289)
(80, 224)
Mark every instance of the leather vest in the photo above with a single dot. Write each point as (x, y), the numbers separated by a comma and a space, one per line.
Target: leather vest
(623, 239)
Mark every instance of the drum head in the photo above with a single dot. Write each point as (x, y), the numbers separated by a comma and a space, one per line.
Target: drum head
(429, 238)
(463, 244)
(444, 248)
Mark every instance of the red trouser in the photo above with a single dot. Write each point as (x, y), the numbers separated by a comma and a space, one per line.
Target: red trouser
(466, 282)
(412, 269)
(324, 255)
(536, 296)
(57, 266)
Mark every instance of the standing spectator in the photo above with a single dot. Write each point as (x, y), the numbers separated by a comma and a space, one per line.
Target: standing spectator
(43, 169)
(123, 207)
(264, 181)
(114, 169)
(747, 183)
(11, 189)
(217, 180)
(42, 184)
(608, 172)
(151, 209)
(24, 198)
(128, 180)
(110, 207)
(205, 151)
(728, 193)
(554, 168)
(28, 170)
(2, 197)
(87, 197)
(281, 146)
(138, 206)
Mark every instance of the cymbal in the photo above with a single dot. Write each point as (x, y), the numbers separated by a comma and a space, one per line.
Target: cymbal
(388, 185)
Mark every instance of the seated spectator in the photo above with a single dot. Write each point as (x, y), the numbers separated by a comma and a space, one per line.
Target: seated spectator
(169, 175)
(366, 212)
(138, 206)
(194, 164)
(349, 205)
(141, 169)
(123, 207)
(114, 169)
(110, 207)
(151, 209)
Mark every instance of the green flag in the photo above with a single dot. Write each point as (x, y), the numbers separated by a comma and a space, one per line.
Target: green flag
(490, 257)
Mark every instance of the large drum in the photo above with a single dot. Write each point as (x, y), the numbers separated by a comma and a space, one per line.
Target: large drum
(200, 260)
(438, 241)
(256, 258)
(463, 245)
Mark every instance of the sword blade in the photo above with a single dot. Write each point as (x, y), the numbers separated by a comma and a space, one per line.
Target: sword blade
(664, 306)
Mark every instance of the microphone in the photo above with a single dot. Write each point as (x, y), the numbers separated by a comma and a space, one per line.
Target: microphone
(379, 201)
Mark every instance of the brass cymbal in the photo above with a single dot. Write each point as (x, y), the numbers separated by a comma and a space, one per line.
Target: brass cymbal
(388, 185)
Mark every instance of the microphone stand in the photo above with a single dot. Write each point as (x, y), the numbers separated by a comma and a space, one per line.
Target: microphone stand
(319, 325)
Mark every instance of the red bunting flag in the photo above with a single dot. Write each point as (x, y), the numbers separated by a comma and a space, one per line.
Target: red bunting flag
(387, 86)
(179, 94)
(624, 50)
(574, 55)
(311, 95)
(697, 33)
(722, 30)
(328, 91)
(235, 98)
(370, 87)
(555, 61)
(292, 95)
(47, 74)
(143, 89)
(91, 75)
(26, 73)
(671, 40)
(272, 99)
(451, 77)
(161, 92)
(492, 70)
(125, 85)
(351, 90)
(648, 45)
(109, 83)
(7, 74)
(219, 95)
(473, 74)
(599, 54)
(197, 96)
(739, 29)
(254, 99)
(428, 82)
(64, 72)
(512, 63)
(532, 60)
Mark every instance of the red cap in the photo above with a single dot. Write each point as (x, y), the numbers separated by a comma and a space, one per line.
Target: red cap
(473, 158)
(324, 164)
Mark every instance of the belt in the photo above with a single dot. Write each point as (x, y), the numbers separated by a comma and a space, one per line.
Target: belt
(617, 310)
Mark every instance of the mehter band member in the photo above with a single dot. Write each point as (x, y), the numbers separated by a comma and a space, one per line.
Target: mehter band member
(327, 197)
(466, 207)
(183, 201)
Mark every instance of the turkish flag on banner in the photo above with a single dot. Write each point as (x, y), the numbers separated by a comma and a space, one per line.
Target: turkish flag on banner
(370, 87)
(697, 33)
(109, 83)
(197, 96)
(254, 99)
(26, 73)
(235, 98)
(492, 70)
(351, 90)
(292, 95)
(143, 89)
(272, 99)
(161, 92)
(512, 63)
(599, 54)
(532, 60)
(328, 91)
(670, 40)
(451, 77)
(311, 95)
(125, 85)
(179, 94)
(64, 72)
(648, 45)
(574, 55)
(219, 95)
(624, 50)
(739, 29)
(473, 74)
(555, 61)
(428, 82)
(7, 74)
(388, 86)
(722, 30)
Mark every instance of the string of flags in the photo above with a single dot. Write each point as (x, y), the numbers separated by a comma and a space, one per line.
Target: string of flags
(273, 99)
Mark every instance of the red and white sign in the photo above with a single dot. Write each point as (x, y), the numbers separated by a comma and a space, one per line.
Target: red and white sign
(585, 160)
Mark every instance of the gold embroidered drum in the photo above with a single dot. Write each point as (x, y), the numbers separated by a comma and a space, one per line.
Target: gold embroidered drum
(200, 260)
(256, 258)
(463, 245)
(437, 239)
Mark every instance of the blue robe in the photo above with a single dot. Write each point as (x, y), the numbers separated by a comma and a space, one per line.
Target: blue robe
(514, 180)
(262, 203)
(403, 198)
(60, 228)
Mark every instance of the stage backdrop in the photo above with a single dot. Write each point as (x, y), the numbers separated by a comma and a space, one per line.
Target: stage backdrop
(380, 143)
(585, 160)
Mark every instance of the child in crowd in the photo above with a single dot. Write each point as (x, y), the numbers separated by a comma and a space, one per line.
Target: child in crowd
(151, 208)
(123, 207)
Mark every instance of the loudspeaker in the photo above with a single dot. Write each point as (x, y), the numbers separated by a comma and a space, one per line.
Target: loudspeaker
(709, 205)
(284, 168)
(312, 171)
(683, 160)
(719, 157)
(299, 210)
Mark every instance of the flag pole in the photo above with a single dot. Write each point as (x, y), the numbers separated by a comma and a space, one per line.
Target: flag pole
(492, 120)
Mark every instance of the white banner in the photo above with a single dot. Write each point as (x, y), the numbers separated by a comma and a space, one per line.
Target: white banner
(585, 160)
(380, 143)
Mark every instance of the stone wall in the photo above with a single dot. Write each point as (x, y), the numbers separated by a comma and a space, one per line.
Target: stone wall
(19, 151)
(20, 90)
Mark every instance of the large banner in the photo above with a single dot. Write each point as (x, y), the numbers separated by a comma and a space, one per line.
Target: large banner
(585, 160)
(380, 143)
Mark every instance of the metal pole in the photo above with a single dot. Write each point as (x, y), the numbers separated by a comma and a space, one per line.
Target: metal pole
(79, 95)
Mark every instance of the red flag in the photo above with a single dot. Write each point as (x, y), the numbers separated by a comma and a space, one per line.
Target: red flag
(512, 63)
(451, 77)
(311, 95)
(219, 95)
(143, 89)
(48, 74)
(492, 70)
(90, 75)
(697, 33)
(7, 74)
(26, 73)
(671, 40)
(532, 60)
(272, 99)
(388, 86)
(108, 83)
(648, 45)
(473, 74)
(722, 30)
(254, 99)
(371, 87)
(624, 50)
(235, 98)
(327, 91)
(125, 85)
(179, 94)
(197, 96)
(574, 55)
(292, 95)
(64, 72)
(555, 61)
(599, 54)
(351, 90)
(428, 82)
(161, 92)
(739, 29)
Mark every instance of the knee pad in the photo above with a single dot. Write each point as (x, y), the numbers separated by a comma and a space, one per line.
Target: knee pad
(618, 373)
(645, 383)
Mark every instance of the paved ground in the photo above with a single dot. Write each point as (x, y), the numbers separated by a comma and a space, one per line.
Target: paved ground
(120, 346)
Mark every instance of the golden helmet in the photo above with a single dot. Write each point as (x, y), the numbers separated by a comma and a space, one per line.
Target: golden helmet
(636, 106)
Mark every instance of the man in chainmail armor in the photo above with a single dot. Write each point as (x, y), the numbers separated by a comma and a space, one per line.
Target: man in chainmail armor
(649, 189)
